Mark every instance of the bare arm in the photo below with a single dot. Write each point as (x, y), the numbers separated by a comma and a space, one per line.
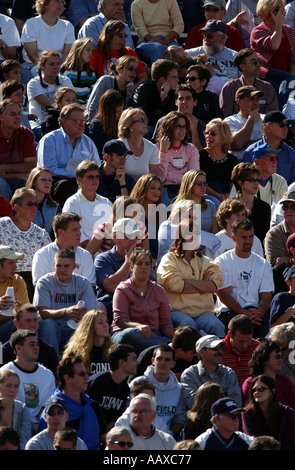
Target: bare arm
(32, 51)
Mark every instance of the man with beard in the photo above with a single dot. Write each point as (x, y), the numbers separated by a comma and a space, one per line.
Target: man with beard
(218, 55)
(209, 369)
(247, 281)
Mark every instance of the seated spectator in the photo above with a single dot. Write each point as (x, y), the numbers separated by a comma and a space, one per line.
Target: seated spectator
(104, 125)
(190, 279)
(282, 305)
(16, 413)
(143, 156)
(65, 439)
(22, 11)
(41, 89)
(276, 239)
(114, 181)
(85, 415)
(76, 67)
(227, 213)
(240, 346)
(9, 278)
(63, 149)
(238, 16)
(64, 95)
(113, 266)
(14, 90)
(93, 208)
(110, 47)
(79, 11)
(200, 79)
(141, 307)
(36, 382)
(25, 317)
(216, 160)
(245, 177)
(158, 24)
(198, 418)
(110, 389)
(215, 10)
(264, 443)
(220, 57)
(249, 65)
(102, 238)
(108, 10)
(22, 234)
(45, 31)
(119, 437)
(267, 359)
(56, 416)
(284, 335)
(9, 438)
(156, 96)
(209, 369)
(67, 231)
(10, 70)
(92, 341)
(280, 268)
(176, 154)
(274, 131)
(10, 39)
(56, 297)
(40, 180)
(179, 55)
(245, 125)
(17, 151)
(193, 187)
(123, 73)
(247, 281)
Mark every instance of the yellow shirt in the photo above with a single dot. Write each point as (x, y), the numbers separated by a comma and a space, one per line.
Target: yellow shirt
(20, 292)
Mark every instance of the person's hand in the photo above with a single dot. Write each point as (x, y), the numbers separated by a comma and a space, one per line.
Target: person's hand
(75, 313)
(130, 250)
(6, 302)
(145, 331)
(165, 88)
(164, 144)
(240, 18)
(255, 316)
(282, 259)
(120, 175)
(279, 17)
(254, 114)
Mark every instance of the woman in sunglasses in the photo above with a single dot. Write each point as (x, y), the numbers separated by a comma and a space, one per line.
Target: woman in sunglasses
(266, 416)
(216, 160)
(246, 178)
(111, 46)
(119, 438)
(268, 359)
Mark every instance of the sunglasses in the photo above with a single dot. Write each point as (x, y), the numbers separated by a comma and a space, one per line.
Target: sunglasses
(43, 178)
(82, 373)
(259, 389)
(208, 36)
(141, 119)
(191, 79)
(288, 206)
(123, 443)
(212, 133)
(92, 177)
(282, 124)
(271, 158)
(132, 69)
(233, 416)
(201, 183)
(214, 9)
(77, 121)
(62, 448)
(254, 180)
(55, 413)
(121, 35)
(179, 126)
(31, 204)
(256, 61)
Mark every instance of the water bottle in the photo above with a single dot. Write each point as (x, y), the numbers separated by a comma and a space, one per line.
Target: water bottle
(72, 323)
(9, 312)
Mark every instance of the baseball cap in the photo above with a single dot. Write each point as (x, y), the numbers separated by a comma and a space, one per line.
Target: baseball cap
(8, 253)
(288, 274)
(209, 341)
(290, 241)
(224, 406)
(262, 150)
(55, 401)
(276, 116)
(126, 226)
(212, 26)
(288, 196)
(247, 90)
(116, 146)
(215, 3)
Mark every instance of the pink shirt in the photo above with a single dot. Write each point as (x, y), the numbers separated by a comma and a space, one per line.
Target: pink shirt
(176, 162)
(153, 310)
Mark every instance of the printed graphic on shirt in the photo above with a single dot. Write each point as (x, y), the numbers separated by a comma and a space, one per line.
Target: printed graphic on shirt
(31, 395)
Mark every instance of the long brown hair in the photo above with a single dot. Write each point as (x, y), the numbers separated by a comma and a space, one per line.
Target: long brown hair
(106, 112)
(111, 28)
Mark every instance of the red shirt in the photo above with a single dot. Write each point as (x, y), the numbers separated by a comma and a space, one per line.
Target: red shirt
(234, 41)
(101, 65)
(19, 147)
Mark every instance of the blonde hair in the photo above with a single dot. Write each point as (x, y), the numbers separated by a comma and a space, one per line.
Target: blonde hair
(265, 7)
(31, 183)
(74, 58)
(225, 132)
(186, 186)
(126, 120)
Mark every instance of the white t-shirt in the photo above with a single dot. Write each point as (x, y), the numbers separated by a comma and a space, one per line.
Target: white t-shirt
(247, 277)
(227, 244)
(137, 166)
(34, 88)
(236, 122)
(93, 213)
(47, 37)
(8, 33)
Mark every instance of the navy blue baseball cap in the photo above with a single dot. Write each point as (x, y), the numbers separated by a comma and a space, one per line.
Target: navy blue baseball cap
(116, 146)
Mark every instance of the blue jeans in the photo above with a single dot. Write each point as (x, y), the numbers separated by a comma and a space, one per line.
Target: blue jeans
(6, 330)
(283, 83)
(206, 323)
(8, 187)
(55, 332)
(134, 337)
(151, 51)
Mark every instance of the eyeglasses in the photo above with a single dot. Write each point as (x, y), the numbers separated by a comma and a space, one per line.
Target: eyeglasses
(77, 121)
(212, 133)
(55, 413)
(208, 36)
(288, 206)
(62, 448)
(259, 389)
(233, 416)
(282, 124)
(141, 119)
(82, 373)
(123, 443)
(43, 178)
(201, 183)
(140, 412)
(179, 126)
(121, 35)
(191, 79)
(256, 61)
(132, 69)
(214, 9)
(217, 348)
(92, 177)
(253, 180)
(270, 158)
(31, 204)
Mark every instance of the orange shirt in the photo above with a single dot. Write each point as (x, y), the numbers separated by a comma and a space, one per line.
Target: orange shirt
(101, 66)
